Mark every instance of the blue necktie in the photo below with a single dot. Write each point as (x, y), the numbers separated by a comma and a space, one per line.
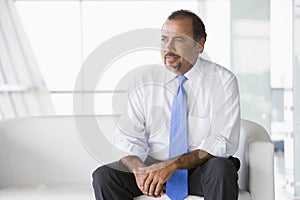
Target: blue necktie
(177, 185)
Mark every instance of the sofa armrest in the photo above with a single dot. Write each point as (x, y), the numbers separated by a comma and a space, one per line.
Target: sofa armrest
(261, 161)
(261, 170)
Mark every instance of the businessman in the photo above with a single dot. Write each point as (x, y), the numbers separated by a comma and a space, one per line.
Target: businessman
(181, 127)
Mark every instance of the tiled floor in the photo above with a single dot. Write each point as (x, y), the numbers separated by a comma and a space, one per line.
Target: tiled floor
(281, 184)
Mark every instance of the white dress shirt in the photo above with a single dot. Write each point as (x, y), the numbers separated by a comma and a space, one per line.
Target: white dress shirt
(213, 112)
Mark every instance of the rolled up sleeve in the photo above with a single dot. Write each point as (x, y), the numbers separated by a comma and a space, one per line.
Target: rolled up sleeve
(129, 137)
(223, 139)
(125, 146)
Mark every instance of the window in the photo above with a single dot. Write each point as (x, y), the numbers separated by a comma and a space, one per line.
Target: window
(64, 33)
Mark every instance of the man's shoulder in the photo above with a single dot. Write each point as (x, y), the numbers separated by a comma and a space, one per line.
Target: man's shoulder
(209, 68)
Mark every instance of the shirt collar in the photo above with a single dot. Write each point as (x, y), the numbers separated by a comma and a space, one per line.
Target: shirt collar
(192, 74)
(169, 76)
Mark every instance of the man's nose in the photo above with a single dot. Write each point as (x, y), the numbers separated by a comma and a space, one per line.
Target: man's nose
(169, 46)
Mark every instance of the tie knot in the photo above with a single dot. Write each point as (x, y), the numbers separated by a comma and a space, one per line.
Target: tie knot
(181, 79)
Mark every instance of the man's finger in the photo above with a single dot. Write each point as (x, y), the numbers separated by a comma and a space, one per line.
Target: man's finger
(147, 184)
(143, 179)
(152, 188)
(140, 179)
(158, 189)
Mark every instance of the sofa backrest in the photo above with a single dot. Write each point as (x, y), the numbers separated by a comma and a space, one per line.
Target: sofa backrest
(45, 150)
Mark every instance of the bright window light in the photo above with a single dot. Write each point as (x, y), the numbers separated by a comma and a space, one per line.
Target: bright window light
(64, 33)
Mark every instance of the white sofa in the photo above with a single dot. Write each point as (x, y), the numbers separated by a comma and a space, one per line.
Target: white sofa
(44, 158)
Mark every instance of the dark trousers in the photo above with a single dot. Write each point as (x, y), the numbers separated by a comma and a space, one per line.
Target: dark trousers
(216, 179)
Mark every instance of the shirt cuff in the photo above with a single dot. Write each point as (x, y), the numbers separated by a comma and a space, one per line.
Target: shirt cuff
(122, 150)
(214, 145)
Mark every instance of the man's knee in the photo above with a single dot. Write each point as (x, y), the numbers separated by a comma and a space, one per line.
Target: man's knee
(222, 168)
(101, 175)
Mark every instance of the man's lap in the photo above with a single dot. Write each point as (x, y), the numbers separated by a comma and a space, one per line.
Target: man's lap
(213, 168)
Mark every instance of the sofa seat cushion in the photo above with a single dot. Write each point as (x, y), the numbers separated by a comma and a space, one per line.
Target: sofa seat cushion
(72, 192)
(43, 192)
(243, 195)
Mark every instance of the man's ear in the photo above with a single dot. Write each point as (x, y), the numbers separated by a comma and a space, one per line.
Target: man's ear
(200, 45)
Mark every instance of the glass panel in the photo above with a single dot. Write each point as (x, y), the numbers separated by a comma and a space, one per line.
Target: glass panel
(297, 96)
(105, 103)
(105, 19)
(250, 41)
(217, 46)
(281, 79)
(63, 103)
(281, 53)
(62, 41)
(53, 30)
(101, 23)
(119, 74)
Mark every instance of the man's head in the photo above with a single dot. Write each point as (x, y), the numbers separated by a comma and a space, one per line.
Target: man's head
(183, 39)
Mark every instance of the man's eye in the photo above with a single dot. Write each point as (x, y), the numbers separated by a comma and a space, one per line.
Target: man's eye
(163, 39)
(179, 40)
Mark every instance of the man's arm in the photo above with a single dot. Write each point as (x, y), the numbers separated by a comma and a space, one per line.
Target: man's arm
(134, 163)
(192, 159)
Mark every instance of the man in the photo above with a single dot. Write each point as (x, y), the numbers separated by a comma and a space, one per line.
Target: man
(181, 127)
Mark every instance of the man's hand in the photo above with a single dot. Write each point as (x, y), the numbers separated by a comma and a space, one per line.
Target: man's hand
(133, 163)
(144, 175)
(140, 178)
(152, 178)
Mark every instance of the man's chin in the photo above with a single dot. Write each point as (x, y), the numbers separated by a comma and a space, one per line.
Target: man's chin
(173, 69)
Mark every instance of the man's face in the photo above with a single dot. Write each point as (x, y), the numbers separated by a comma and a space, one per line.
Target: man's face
(179, 51)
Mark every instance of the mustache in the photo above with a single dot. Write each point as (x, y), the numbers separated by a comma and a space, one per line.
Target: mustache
(171, 54)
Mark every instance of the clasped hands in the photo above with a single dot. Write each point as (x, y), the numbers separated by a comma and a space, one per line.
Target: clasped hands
(151, 179)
